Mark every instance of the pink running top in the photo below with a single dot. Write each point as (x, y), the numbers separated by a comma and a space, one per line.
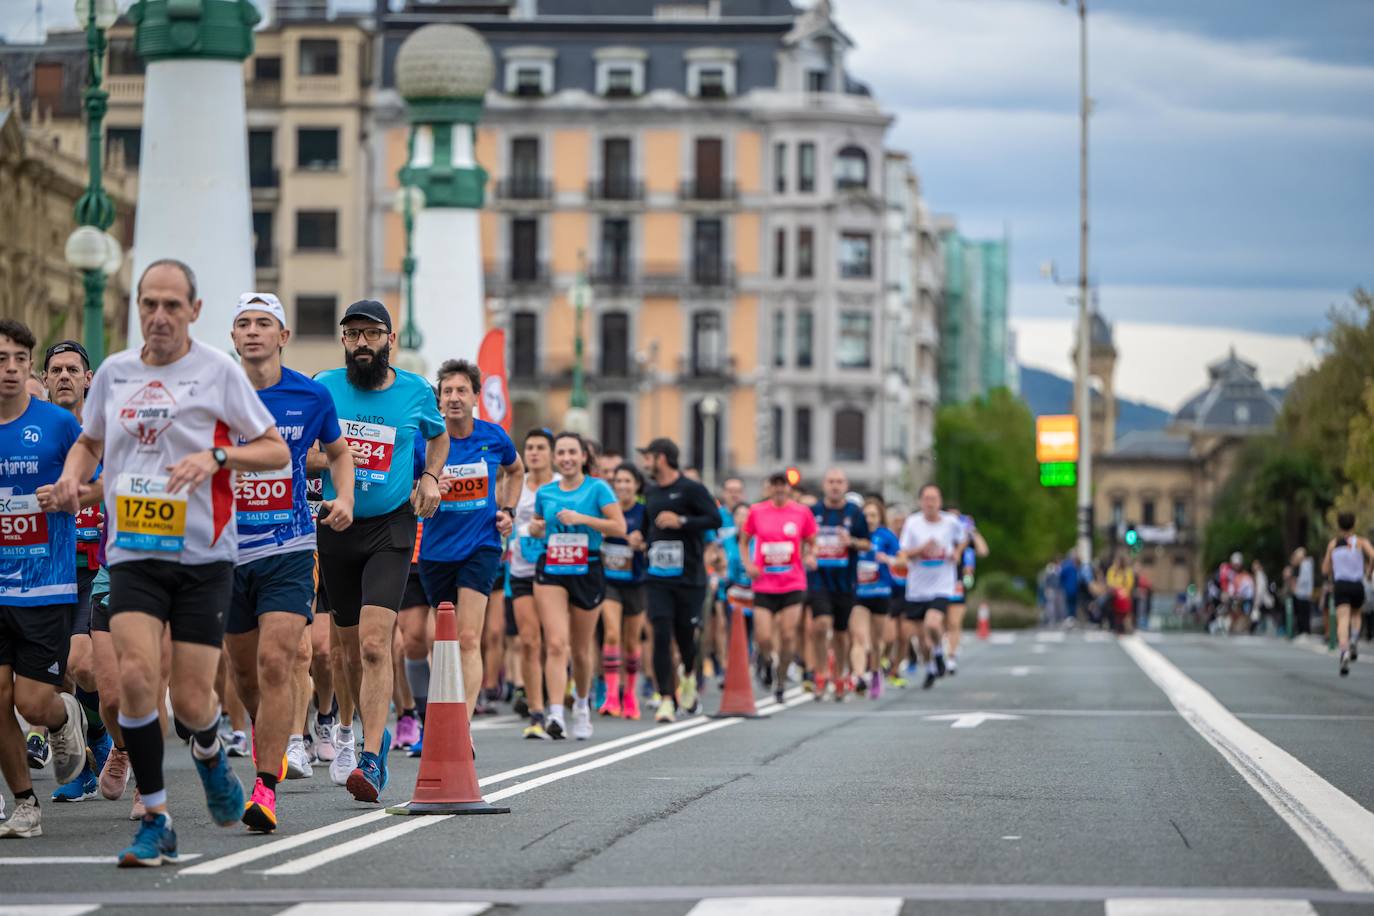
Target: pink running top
(778, 533)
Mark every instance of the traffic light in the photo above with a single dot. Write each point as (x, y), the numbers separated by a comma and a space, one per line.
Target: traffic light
(793, 477)
(1132, 538)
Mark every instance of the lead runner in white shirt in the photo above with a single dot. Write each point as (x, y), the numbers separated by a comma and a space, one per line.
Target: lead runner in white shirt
(930, 542)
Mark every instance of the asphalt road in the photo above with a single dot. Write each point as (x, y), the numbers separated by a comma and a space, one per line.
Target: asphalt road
(1168, 775)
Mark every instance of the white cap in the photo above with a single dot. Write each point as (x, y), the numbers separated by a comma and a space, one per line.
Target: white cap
(261, 302)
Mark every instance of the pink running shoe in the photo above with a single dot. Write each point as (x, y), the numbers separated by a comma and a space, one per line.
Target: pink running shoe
(612, 707)
(114, 776)
(407, 732)
(138, 811)
(875, 685)
(629, 706)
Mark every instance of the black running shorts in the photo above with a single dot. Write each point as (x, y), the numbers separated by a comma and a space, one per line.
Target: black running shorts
(586, 591)
(367, 564)
(192, 600)
(35, 641)
(836, 605)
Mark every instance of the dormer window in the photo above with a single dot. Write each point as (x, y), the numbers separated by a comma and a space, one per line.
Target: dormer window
(710, 73)
(711, 84)
(620, 72)
(529, 71)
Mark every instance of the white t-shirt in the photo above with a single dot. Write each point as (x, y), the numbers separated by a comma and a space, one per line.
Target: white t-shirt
(525, 550)
(933, 576)
(151, 417)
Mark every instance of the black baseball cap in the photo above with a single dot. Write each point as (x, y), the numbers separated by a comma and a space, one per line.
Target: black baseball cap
(66, 346)
(662, 446)
(370, 309)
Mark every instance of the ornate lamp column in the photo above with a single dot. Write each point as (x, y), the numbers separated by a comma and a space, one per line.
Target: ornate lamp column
(443, 72)
(193, 198)
(578, 419)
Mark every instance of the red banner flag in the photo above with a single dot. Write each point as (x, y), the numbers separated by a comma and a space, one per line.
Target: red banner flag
(491, 360)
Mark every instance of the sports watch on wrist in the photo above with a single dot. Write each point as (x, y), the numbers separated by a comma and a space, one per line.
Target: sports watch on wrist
(220, 455)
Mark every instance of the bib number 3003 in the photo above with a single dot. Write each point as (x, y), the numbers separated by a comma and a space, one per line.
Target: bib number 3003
(147, 517)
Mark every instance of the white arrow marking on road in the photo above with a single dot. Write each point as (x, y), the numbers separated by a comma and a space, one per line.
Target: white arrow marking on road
(971, 719)
(1021, 670)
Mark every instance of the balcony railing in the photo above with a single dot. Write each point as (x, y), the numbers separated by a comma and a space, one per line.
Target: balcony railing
(613, 273)
(706, 366)
(716, 190)
(523, 188)
(263, 177)
(262, 93)
(124, 88)
(856, 270)
(615, 189)
(711, 274)
(517, 276)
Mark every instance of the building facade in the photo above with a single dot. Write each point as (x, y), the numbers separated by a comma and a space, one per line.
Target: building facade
(973, 323)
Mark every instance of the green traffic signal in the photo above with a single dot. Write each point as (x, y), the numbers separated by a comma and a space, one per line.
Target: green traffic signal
(1132, 537)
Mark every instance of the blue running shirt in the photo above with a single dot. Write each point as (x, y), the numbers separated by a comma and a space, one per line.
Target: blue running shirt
(37, 549)
(836, 565)
(622, 562)
(569, 546)
(875, 578)
(466, 520)
(273, 513)
(384, 424)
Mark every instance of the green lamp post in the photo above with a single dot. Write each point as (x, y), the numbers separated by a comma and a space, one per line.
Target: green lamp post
(578, 419)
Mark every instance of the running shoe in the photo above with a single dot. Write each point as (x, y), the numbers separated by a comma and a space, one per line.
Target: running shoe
(68, 743)
(100, 752)
(688, 700)
(1345, 663)
(929, 682)
(521, 704)
(137, 812)
(875, 685)
(535, 730)
(237, 745)
(611, 708)
(667, 711)
(808, 682)
(324, 739)
(25, 823)
(952, 666)
(84, 786)
(345, 758)
(860, 684)
(368, 780)
(582, 721)
(260, 813)
(154, 844)
(297, 759)
(765, 666)
(223, 791)
(940, 667)
(407, 732)
(2, 809)
(483, 707)
(841, 689)
(1355, 649)
(777, 693)
(646, 690)
(418, 748)
(629, 706)
(226, 729)
(897, 681)
(556, 728)
(599, 692)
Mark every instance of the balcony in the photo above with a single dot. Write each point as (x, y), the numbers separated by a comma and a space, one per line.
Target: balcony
(706, 368)
(264, 176)
(856, 270)
(616, 274)
(518, 278)
(262, 94)
(716, 191)
(266, 263)
(712, 274)
(615, 190)
(521, 188)
(124, 90)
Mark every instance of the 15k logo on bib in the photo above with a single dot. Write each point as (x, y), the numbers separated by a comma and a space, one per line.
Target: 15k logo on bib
(147, 517)
(376, 442)
(263, 497)
(468, 487)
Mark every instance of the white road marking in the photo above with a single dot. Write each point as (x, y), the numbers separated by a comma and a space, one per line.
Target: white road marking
(487, 723)
(1097, 636)
(1014, 837)
(1338, 831)
(49, 909)
(971, 719)
(1039, 649)
(73, 860)
(1022, 670)
(343, 850)
(1002, 639)
(1175, 906)
(797, 906)
(358, 908)
(1049, 636)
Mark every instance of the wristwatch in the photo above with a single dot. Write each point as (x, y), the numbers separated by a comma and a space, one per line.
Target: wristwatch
(509, 510)
(220, 455)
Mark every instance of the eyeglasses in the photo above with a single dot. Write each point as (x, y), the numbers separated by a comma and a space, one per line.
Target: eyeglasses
(371, 335)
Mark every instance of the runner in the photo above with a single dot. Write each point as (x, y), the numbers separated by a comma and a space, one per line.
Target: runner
(896, 649)
(537, 455)
(460, 554)
(1349, 559)
(380, 409)
(164, 418)
(970, 550)
(680, 512)
(776, 541)
(571, 516)
(274, 578)
(841, 535)
(932, 539)
(873, 598)
(411, 679)
(622, 613)
(38, 587)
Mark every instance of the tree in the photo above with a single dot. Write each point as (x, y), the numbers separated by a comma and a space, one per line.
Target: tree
(985, 465)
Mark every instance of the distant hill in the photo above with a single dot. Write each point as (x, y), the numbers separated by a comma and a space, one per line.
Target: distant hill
(1047, 393)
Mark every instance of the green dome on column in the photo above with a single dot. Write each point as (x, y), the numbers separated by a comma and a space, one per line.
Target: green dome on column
(194, 29)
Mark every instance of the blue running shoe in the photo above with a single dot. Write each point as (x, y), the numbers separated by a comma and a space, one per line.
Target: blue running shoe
(84, 786)
(223, 791)
(101, 752)
(418, 747)
(155, 844)
(367, 782)
(598, 692)
(38, 751)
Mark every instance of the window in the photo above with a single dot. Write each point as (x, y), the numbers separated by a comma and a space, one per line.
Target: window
(1180, 514)
(529, 71)
(1147, 512)
(319, 57)
(851, 169)
(711, 83)
(524, 345)
(710, 155)
(849, 434)
(708, 344)
(856, 255)
(779, 252)
(529, 82)
(1118, 512)
(780, 168)
(615, 426)
(708, 263)
(317, 230)
(615, 346)
(854, 349)
(263, 254)
(317, 149)
(710, 73)
(775, 427)
(127, 140)
(805, 322)
(316, 316)
(48, 80)
(620, 72)
(614, 265)
(124, 60)
(801, 435)
(261, 171)
(617, 169)
(620, 83)
(779, 338)
(817, 80)
(267, 69)
(524, 181)
(806, 253)
(806, 167)
(524, 249)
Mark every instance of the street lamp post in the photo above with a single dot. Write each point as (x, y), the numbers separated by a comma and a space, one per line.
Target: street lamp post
(710, 410)
(1085, 447)
(94, 208)
(578, 419)
(409, 201)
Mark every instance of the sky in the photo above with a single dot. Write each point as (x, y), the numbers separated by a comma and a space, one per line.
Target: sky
(1231, 152)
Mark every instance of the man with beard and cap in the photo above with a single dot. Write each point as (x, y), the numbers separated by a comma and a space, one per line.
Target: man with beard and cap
(381, 409)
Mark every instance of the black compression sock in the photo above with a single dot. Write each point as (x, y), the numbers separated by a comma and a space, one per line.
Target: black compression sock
(26, 794)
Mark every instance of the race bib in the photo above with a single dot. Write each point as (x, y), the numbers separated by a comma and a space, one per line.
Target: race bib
(263, 497)
(831, 551)
(567, 555)
(468, 490)
(777, 556)
(665, 559)
(619, 561)
(870, 580)
(88, 522)
(147, 517)
(899, 570)
(868, 572)
(23, 528)
(377, 443)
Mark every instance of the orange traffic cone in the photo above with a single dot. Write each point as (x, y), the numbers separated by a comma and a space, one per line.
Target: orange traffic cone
(984, 621)
(447, 783)
(737, 700)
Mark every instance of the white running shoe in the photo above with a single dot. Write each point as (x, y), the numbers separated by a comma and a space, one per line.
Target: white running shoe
(324, 742)
(25, 823)
(582, 721)
(345, 760)
(297, 759)
(68, 744)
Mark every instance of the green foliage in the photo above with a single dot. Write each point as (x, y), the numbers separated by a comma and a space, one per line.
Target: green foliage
(999, 586)
(985, 464)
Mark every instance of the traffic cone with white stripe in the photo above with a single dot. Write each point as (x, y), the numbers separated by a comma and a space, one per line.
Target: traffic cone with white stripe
(447, 783)
(737, 699)
(984, 621)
